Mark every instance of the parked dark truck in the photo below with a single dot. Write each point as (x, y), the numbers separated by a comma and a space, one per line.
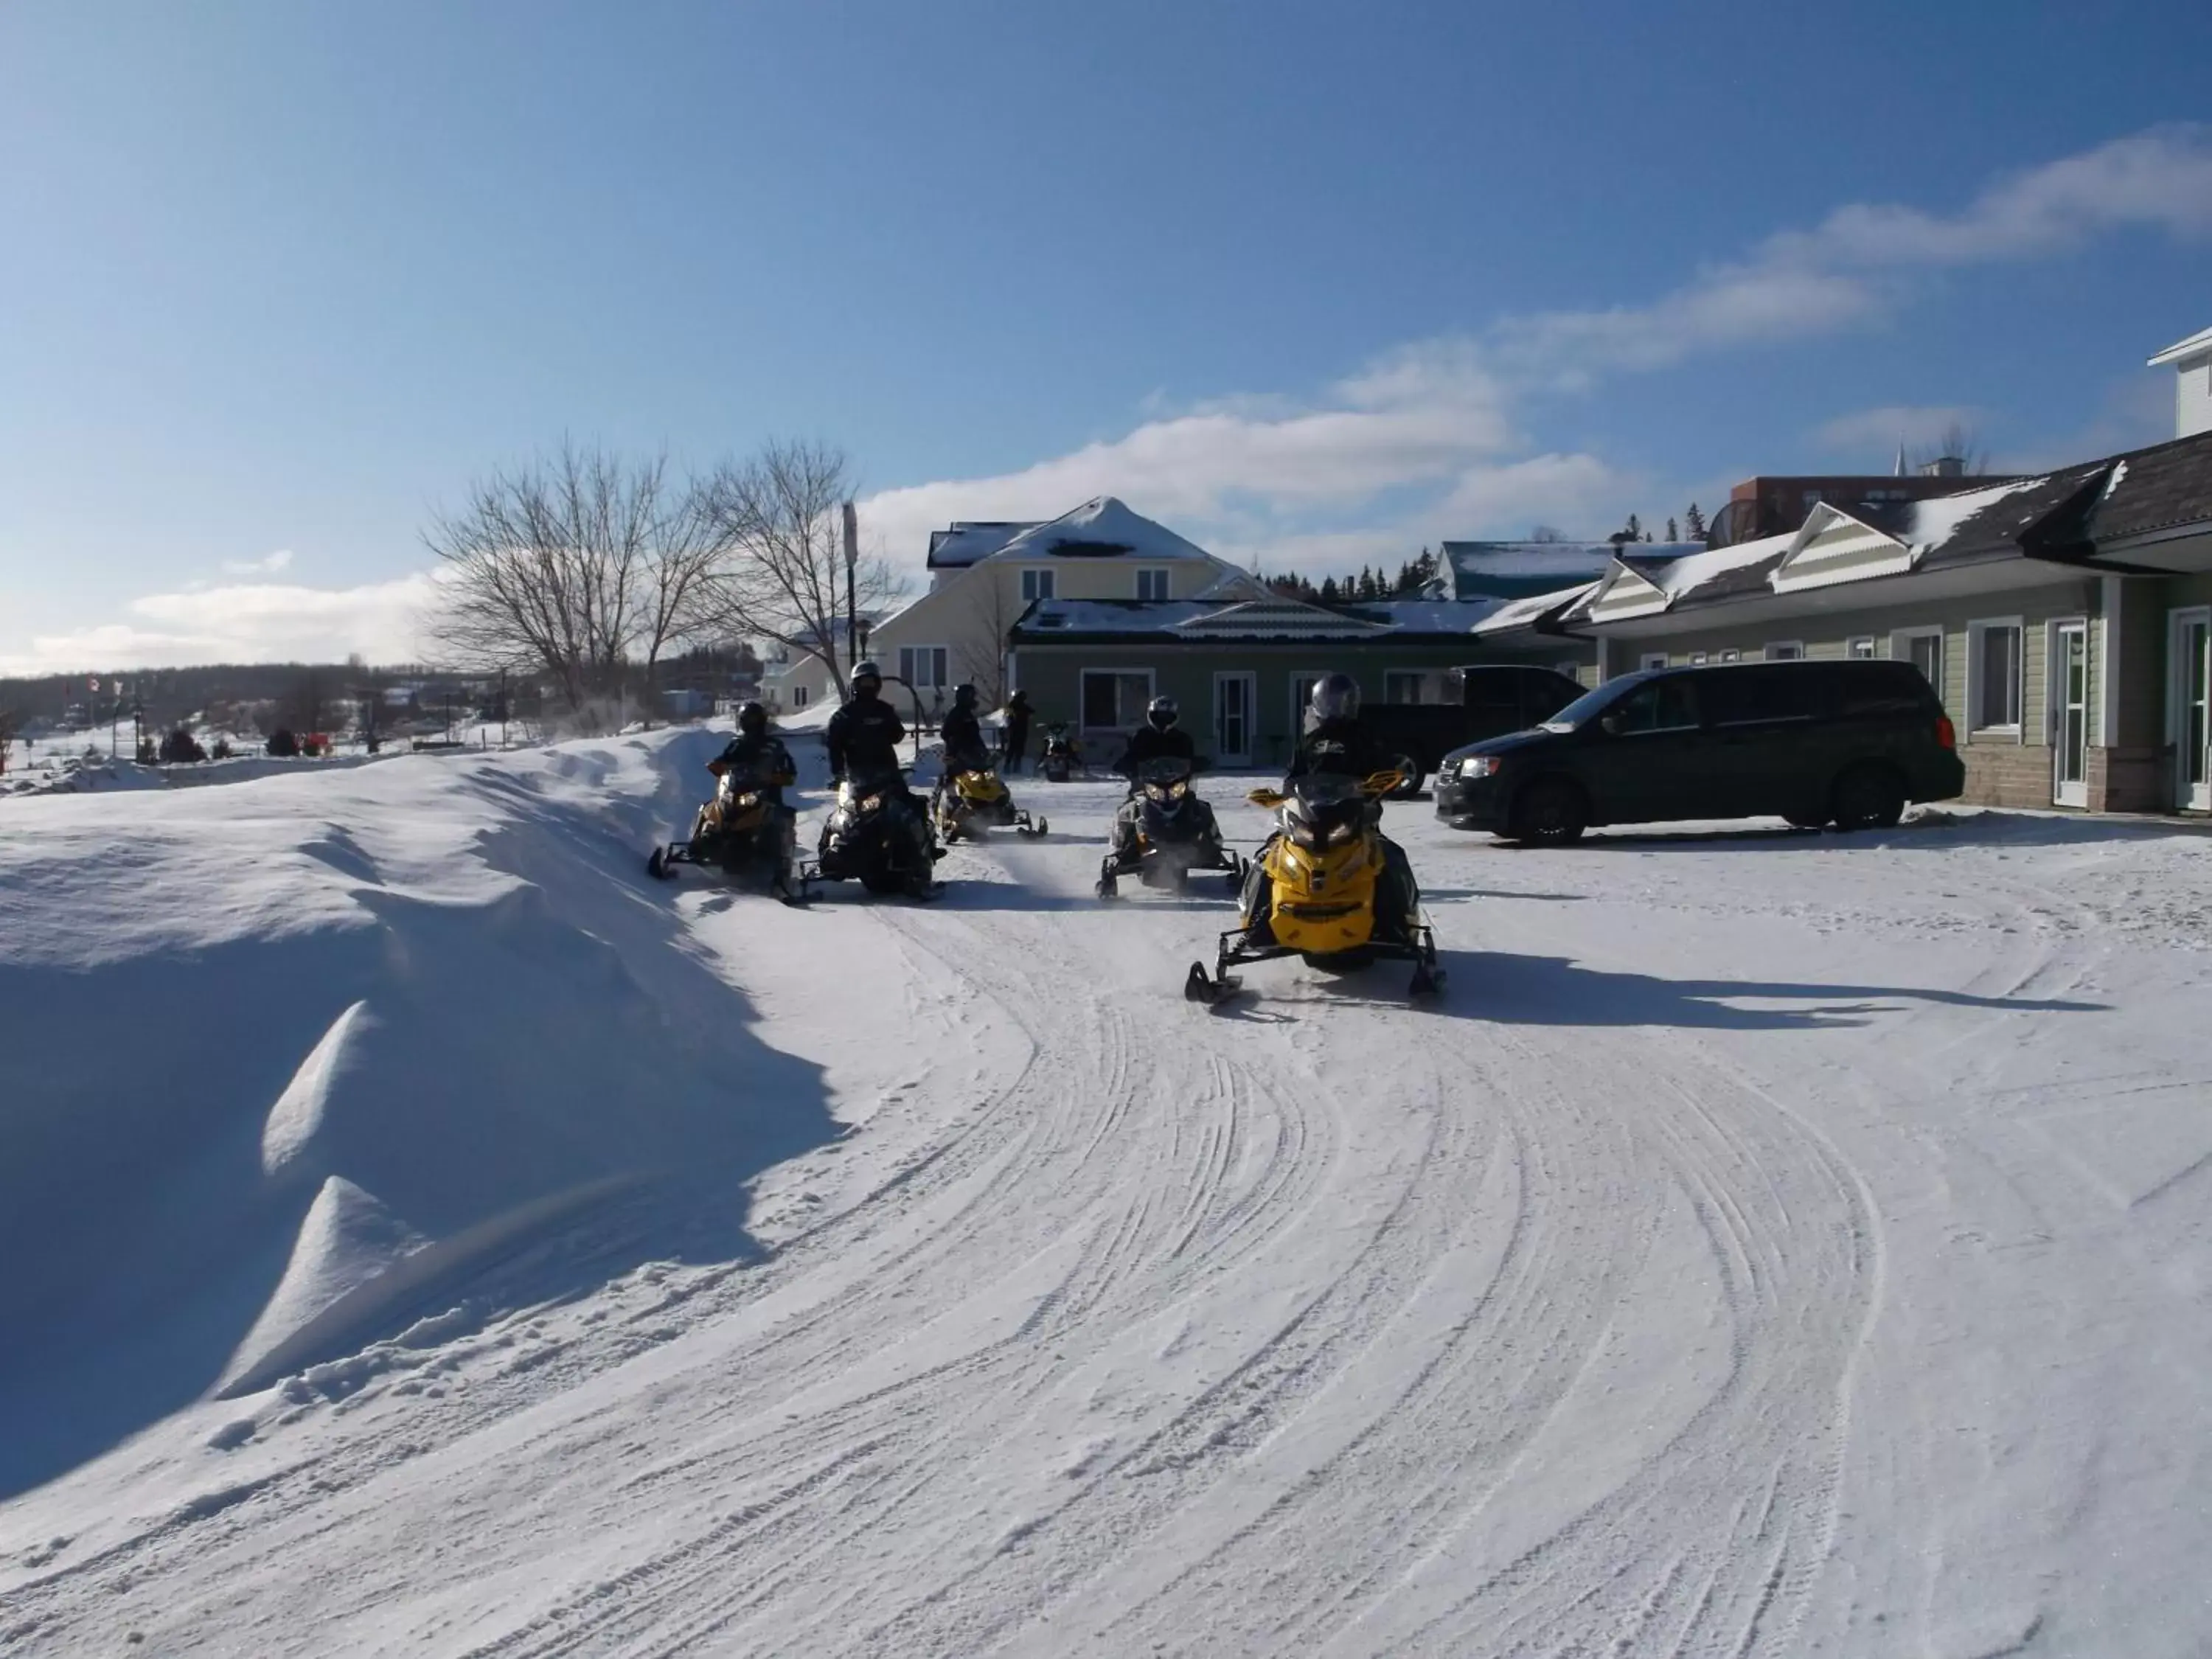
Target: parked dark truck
(1492, 700)
(1814, 743)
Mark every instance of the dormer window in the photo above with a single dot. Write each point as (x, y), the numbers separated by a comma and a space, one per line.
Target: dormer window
(1151, 584)
(1037, 584)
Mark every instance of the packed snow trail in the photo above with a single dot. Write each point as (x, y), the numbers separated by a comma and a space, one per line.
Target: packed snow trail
(1726, 1265)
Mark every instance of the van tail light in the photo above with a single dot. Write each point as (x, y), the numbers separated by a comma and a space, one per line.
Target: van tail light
(1946, 733)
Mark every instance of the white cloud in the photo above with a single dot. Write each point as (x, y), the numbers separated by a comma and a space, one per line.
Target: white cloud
(259, 622)
(1436, 418)
(1881, 430)
(281, 559)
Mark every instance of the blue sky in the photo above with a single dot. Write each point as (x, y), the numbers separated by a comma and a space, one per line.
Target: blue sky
(1319, 283)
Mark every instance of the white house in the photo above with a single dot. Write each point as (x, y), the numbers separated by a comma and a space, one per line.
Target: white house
(984, 575)
(2192, 393)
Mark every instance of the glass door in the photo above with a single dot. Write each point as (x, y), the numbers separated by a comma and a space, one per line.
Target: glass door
(1232, 719)
(2191, 653)
(2071, 705)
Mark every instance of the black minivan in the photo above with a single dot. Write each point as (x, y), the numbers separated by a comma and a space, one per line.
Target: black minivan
(1844, 743)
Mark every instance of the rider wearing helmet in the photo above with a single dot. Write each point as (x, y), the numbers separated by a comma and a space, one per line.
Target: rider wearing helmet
(1334, 743)
(964, 751)
(755, 751)
(1159, 735)
(758, 756)
(866, 732)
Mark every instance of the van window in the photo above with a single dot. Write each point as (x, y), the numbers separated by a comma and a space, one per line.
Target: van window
(1763, 696)
(1884, 688)
(1668, 705)
(1543, 695)
(1496, 696)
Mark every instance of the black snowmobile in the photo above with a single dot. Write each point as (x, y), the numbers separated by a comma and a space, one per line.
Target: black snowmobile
(1176, 833)
(878, 835)
(744, 831)
(1060, 760)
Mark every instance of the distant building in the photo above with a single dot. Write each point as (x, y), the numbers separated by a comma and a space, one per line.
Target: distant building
(1762, 507)
(1520, 570)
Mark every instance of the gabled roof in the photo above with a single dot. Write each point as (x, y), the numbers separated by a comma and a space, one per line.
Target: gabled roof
(1101, 528)
(2146, 491)
(1536, 612)
(2200, 341)
(1513, 570)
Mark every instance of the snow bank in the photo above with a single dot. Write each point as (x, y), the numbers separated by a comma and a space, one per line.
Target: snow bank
(248, 1032)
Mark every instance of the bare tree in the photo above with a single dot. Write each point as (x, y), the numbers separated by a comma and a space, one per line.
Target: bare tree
(986, 665)
(779, 514)
(1957, 442)
(567, 566)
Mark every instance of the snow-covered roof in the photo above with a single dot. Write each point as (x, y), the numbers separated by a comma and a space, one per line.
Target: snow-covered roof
(2200, 341)
(1103, 528)
(1525, 613)
(967, 540)
(1522, 569)
(1270, 616)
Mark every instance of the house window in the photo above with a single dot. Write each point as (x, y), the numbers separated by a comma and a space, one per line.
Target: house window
(1150, 584)
(1731, 656)
(1993, 671)
(1653, 659)
(1785, 651)
(1038, 585)
(1923, 649)
(923, 666)
(1113, 699)
(1699, 658)
(1860, 649)
(799, 697)
(1302, 686)
(1401, 685)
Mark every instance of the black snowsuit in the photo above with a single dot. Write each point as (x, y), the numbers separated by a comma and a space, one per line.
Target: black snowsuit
(764, 757)
(964, 748)
(1016, 746)
(1340, 748)
(1148, 743)
(863, 736)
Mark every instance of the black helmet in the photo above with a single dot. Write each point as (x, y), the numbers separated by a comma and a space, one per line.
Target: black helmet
(1161, 714)
(870, 670)
(752, 719)
(963, 696)
(1335, 697)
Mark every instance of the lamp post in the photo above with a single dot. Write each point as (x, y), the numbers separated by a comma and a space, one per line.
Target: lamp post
(852, 585)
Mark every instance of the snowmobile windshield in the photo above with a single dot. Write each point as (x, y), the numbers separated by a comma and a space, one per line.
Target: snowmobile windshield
(1163, 770)
(1588, 707)
(1324, 810)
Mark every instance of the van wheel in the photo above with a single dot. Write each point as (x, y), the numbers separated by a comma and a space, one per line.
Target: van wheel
(1550, 814)
(1870, 796)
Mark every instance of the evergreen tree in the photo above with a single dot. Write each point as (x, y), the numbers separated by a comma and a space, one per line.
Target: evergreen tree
(1694, 522)
(1634, 529)
(1328, 595)
(1673, 534)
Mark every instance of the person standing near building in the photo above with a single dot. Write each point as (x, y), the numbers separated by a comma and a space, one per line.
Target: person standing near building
(1016, 743)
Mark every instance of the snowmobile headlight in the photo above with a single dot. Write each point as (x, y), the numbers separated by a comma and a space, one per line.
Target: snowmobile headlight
(1342, 833)
(1303, 833)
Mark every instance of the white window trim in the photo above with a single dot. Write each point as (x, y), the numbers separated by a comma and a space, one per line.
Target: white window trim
(1699, 658)
(1873, 643)
(1297, 702)
(1039, 576)
(1152, 690)
(1731, 655)
(1766, 652)
(945, 685)
(1418, 675)
(1649, 660)
(2017, 730)
(1165, 575)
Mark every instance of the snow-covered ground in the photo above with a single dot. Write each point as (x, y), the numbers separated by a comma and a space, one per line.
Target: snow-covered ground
(426, 1235)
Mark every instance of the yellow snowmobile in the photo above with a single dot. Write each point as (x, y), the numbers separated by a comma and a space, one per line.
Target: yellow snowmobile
(971, 800)
(1314, 896)
(741, 832)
